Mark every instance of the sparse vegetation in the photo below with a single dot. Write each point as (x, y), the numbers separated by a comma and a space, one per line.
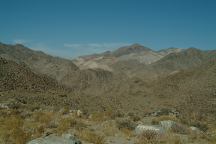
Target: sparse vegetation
(113, 103)
(156, 120)
(12, 131)
(125, 124)
(148, 137)
(91, 136)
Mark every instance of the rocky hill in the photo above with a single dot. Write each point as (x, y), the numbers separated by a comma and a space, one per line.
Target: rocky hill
(15, 76)
(62, 70)
(38, 61)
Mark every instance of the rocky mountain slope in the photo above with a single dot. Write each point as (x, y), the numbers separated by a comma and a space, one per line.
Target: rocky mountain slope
(15, 76)
(62, 70)
(134, 52)
(132, 81)
(134, 85)
(38, 61)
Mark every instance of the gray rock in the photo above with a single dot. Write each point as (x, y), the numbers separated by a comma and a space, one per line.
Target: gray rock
(52, 139)
(167, 124)
(145, 128)
(3, 106)
(195, 130)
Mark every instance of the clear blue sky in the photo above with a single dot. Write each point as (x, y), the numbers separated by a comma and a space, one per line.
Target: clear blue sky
(70, 28)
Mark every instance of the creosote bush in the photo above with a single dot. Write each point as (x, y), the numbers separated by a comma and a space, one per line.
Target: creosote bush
(148, 137)
(65, 124)
(90, 136)
(125, 124)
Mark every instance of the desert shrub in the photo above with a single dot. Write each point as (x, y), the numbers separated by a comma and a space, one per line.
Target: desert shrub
(38, 132)
(125, 124)
(148, 137)
(213, 139)
(33, 107)
(179, 128)
(156, 120)
(197, 119)
(90, 136)
(134, 117)
(43, 117)
(65, 110)
(11, 130)
(109, 128)
(102, 116)
(65, 124)
(200, 125)
(153, 138)
(127, 132)
(170, 138)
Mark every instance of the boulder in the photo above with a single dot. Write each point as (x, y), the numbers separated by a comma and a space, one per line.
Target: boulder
(79, 113)
(3, 106)
(53, 139)
(167, 124)
(195, 130)
(146, 128)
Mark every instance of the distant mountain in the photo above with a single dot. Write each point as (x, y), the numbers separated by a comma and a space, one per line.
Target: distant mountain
(135, 52)
(38, 61)
(62, 70)
(132, 78)
(192, 89)
(186, 59)
(135, 48)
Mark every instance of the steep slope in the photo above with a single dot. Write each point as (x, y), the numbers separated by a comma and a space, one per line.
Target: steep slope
(185, 59)
(15, 76)
(62, 70)
(192, 91)
(38, 61)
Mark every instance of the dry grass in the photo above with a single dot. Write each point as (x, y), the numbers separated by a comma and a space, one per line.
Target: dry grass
(11, 130)
(128, 133)
(156, 120)
(91, 137)
(169, 138)
(43, 117)
(180, 128)
(153, 138)
(147, 137)
(102, 116)
(125, 124)
(109, 128)
(65, 124)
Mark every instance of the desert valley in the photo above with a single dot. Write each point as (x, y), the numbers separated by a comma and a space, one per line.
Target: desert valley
(131, 95)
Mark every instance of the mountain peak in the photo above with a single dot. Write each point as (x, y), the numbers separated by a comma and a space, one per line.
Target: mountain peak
(138, 47)
(134, 48)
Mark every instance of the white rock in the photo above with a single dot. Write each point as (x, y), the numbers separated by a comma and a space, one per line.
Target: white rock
(195, 130)
(167, 124)
(145, 128)
(79, 113)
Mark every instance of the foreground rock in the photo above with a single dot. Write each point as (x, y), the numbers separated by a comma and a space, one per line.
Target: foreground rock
(145, 128)
(52, 139)
(167, 124)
